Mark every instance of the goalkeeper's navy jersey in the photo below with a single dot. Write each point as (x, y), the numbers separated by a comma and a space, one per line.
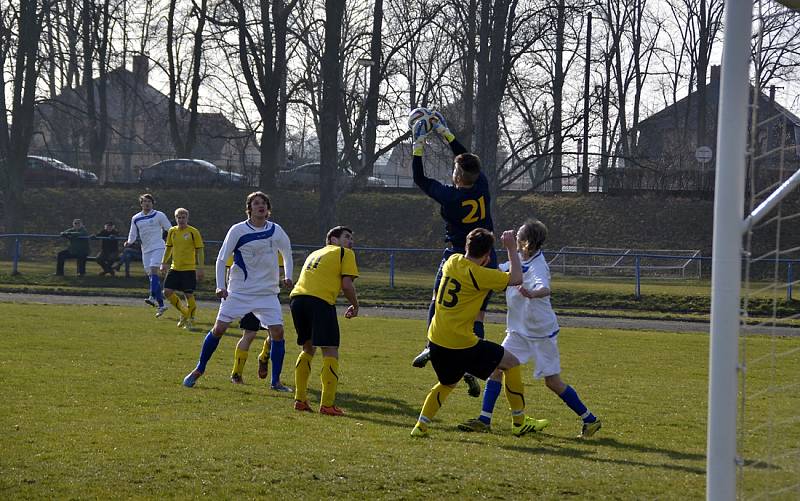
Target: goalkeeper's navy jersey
(463, 209)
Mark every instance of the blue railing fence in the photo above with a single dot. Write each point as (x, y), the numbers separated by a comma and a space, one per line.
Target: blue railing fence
(394, 261)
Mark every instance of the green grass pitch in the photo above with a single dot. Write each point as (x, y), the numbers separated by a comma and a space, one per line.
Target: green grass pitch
(92, 407)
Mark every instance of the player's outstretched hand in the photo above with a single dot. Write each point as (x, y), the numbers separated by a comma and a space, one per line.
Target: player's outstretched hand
(509, 239)
(287, 282)
(200, 273)
(352, 311)
(418, 136)
(163, 268)
(440, 126)
(222, 293)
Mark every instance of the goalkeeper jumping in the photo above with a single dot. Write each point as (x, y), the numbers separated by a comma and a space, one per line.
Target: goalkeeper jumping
(465, 205)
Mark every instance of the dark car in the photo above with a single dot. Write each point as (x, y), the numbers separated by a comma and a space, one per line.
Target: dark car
(307, 176)
(46, 171)
(189, 172)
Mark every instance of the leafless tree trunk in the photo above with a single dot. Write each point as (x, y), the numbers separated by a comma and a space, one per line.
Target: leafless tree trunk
(558, 96)
(262, 42)
(15, 137)
(184, 141)
(331, 69)
(95, 22)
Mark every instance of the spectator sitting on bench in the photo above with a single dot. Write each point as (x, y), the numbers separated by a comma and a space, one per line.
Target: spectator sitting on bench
(109, 251)
(130, 253)
(78, 248)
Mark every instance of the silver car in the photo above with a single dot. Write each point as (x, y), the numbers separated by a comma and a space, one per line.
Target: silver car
(190, 172)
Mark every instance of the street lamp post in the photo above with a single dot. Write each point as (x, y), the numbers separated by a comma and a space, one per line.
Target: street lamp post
(366, 63)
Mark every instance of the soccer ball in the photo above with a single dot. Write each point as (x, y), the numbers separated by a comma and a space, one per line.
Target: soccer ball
(418, 114)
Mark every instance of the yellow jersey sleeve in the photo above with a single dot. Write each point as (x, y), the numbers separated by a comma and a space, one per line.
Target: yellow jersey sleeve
(322, 272)
(349, 267)
(198, 239)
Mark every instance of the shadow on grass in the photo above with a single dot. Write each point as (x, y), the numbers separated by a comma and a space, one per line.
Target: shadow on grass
(590, 455)
(371, 407)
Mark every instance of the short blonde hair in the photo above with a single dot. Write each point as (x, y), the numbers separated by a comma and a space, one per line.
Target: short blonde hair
(181, 210)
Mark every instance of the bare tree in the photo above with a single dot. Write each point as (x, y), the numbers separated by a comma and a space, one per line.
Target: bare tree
(331, 70)
(184, 141)
(95, 22)
(20, 35)
(262, 30)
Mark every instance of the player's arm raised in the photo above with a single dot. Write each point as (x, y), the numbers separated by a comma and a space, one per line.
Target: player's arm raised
(509, 239)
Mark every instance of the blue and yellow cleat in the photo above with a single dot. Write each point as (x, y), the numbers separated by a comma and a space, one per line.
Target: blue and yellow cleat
(192, 378)
(529, 425)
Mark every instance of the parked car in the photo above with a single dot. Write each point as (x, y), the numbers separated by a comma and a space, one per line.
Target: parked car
(46, 171)
(189, 172)
(307, 176)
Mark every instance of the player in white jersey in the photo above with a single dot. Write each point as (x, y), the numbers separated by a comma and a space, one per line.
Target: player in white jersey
(532, 332)
(149, 226)
(253, 280)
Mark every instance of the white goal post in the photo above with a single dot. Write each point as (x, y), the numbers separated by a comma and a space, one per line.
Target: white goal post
(726, 262)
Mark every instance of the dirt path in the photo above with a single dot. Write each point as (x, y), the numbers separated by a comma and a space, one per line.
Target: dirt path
(563, 320)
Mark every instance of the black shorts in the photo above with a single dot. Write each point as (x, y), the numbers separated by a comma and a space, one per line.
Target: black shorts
(314, 319)
(184, 281)
(456, 250)
(250, 322)
(480, 360)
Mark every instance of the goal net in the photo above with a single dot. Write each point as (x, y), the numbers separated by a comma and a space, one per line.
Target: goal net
(616, 262)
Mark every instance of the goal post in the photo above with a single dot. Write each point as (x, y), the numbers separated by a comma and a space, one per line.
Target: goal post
(726, 263)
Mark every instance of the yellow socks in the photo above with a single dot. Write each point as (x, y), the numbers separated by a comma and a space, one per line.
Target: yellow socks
(329, 377)
(433, 402)
(302, 371)
(264, 355)
(176, 302)
(239, 359)
(191, 306)
(515, 393)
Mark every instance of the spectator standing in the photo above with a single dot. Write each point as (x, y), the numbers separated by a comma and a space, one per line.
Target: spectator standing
(78, 247)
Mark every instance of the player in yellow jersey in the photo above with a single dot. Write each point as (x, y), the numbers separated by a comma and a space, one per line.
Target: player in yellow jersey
(325, 272)
(454, 348)
(185, 247)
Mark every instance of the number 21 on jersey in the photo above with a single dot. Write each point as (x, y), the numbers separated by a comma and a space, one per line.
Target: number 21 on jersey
(477, 210)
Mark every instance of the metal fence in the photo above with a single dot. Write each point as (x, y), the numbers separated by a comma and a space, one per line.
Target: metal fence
(406, 266)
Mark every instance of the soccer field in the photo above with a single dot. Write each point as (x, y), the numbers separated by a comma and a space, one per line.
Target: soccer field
(93, 408)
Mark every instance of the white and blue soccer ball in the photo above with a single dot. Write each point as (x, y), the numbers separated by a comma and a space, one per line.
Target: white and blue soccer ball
(425, 116)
